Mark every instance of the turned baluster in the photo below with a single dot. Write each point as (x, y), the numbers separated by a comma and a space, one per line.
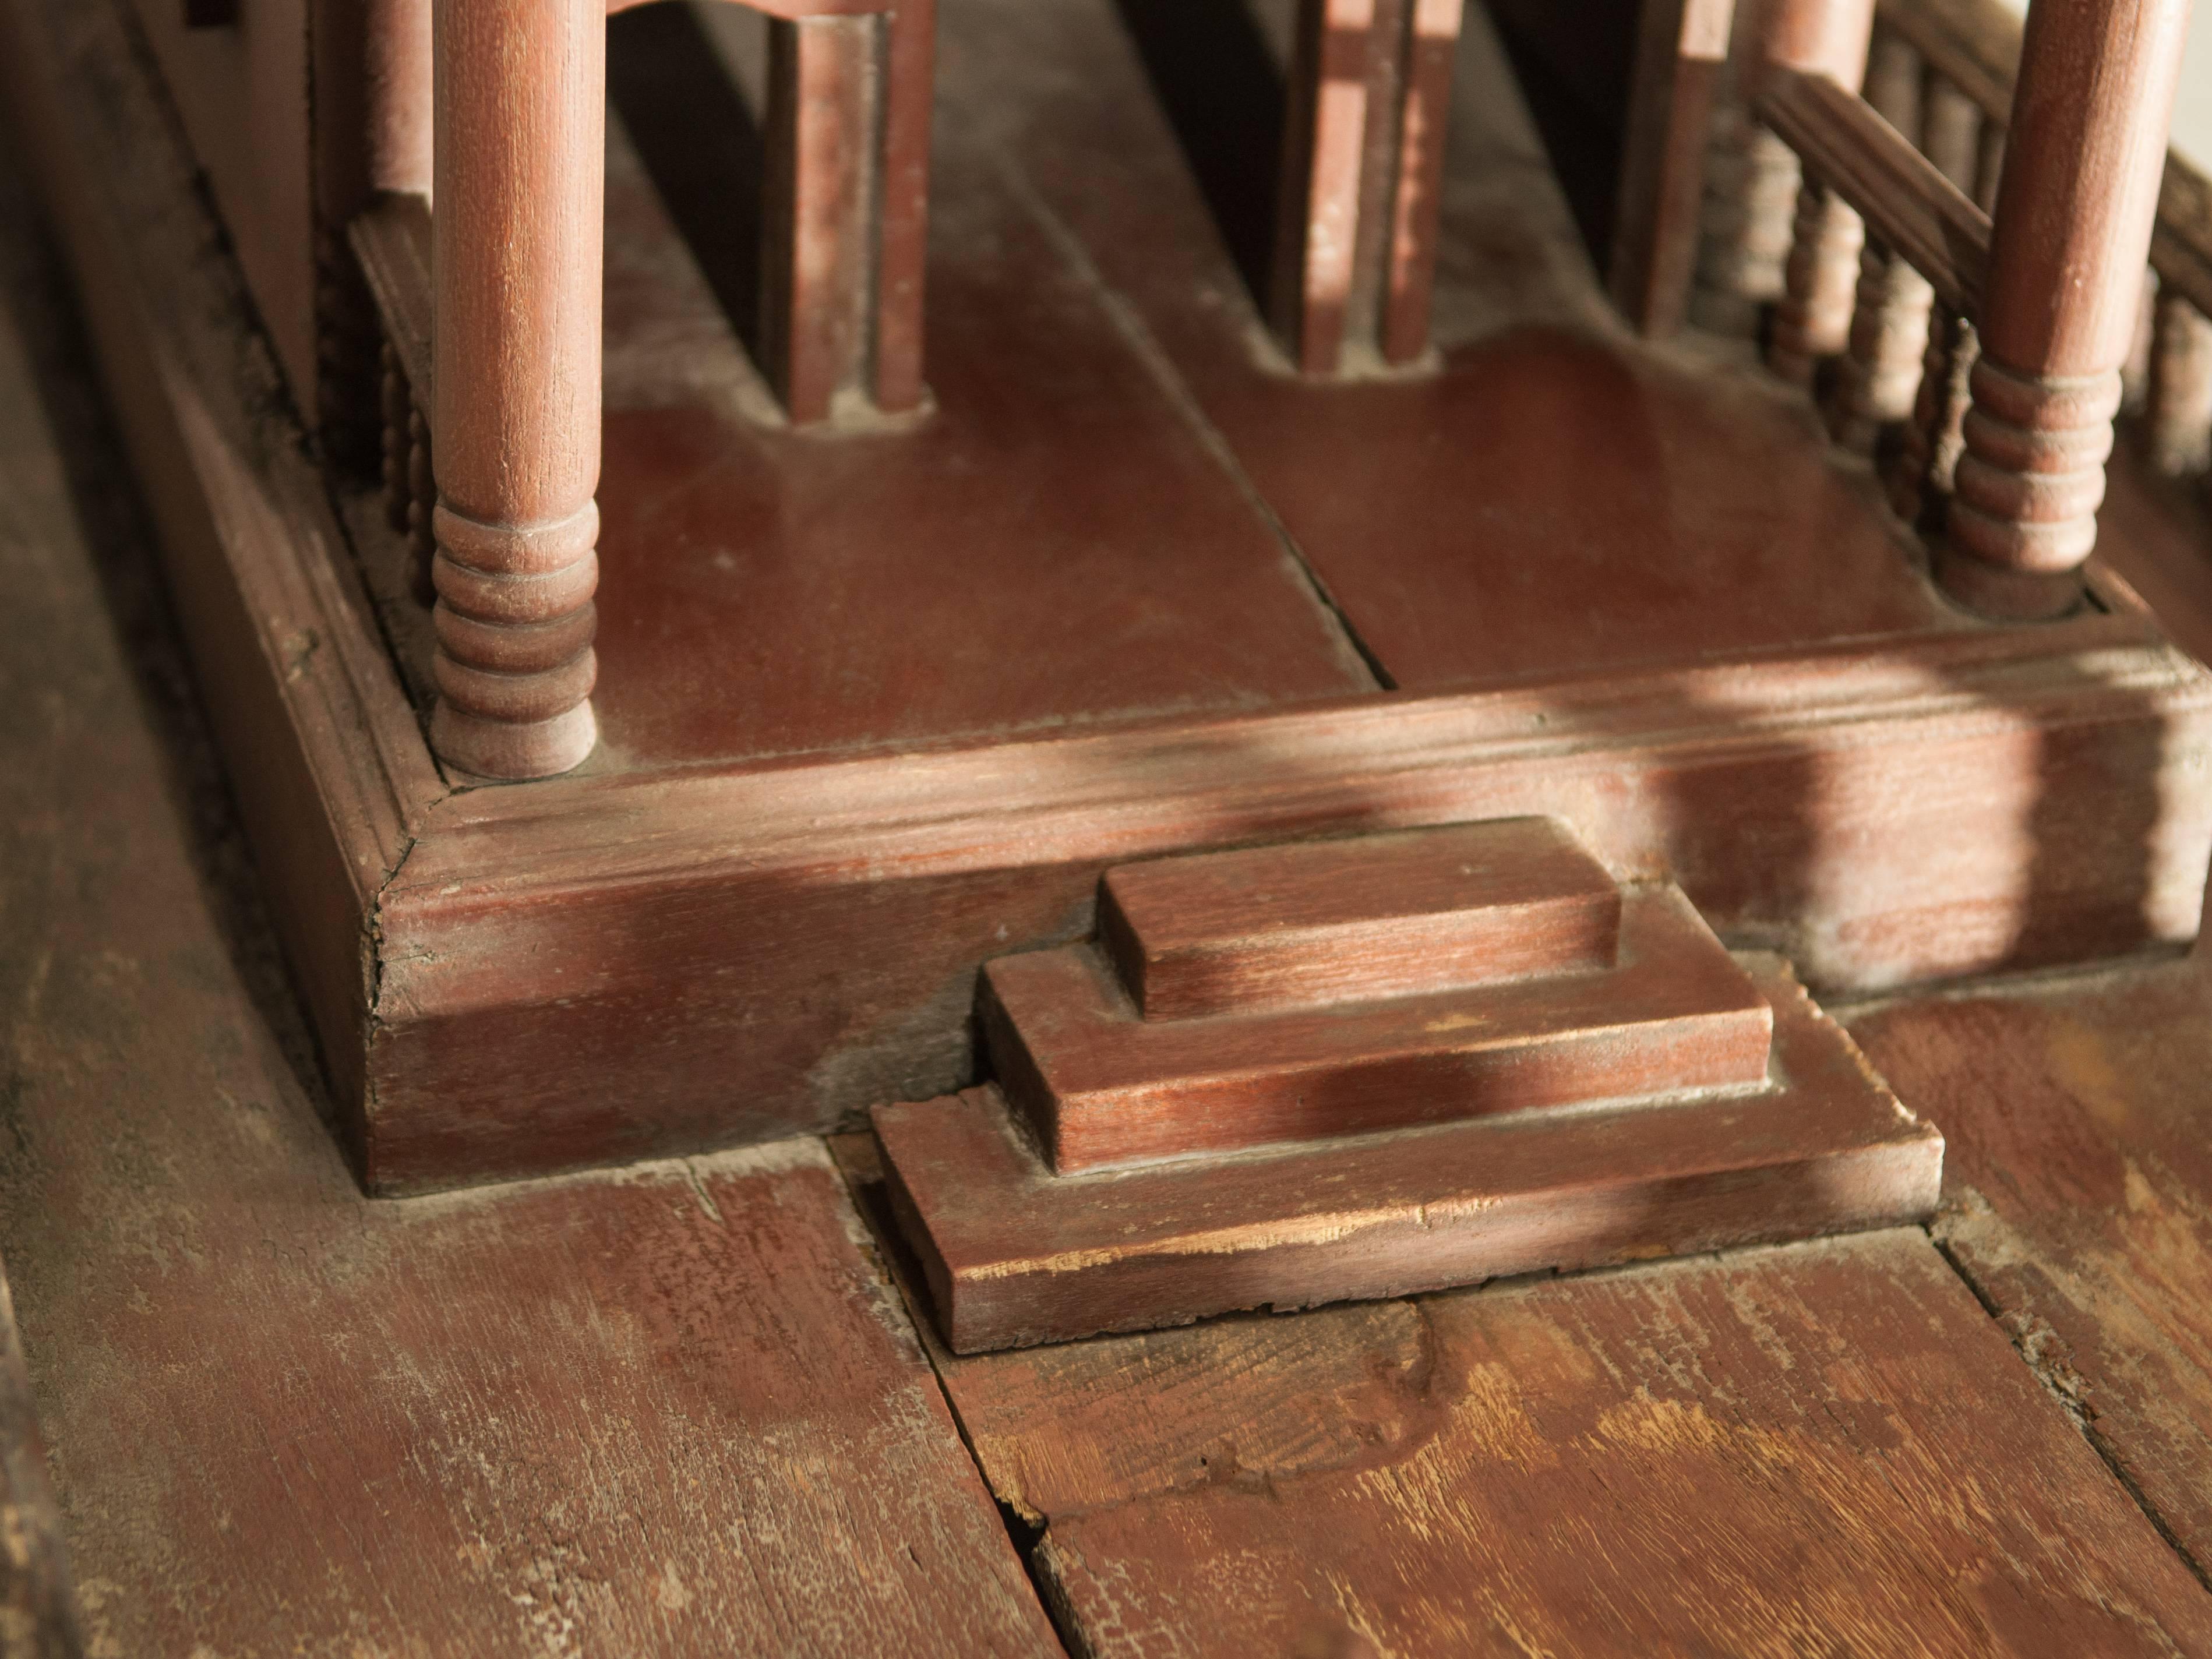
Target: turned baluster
(520, 125)
(1966, 151)
(1820, 288)
(1745, 219)
(2071, 237)
(2177, 404)
(1881, 370)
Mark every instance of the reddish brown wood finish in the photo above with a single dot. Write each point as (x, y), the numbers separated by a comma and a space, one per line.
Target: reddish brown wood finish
(847, 208)
(1827, 38)
(1952, 135)
(575, 971)
(2084, 154)
(1363, 178)
(1681, 50)
(1825, 1447)
(1103, 1086)
(1356, 920)
(521, 103)
(1015, 1253)
(2076, 1201)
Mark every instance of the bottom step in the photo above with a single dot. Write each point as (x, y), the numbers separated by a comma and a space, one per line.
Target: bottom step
(1015, 1255)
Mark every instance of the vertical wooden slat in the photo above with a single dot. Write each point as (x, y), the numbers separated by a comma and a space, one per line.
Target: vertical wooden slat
(2071, 234)
(1363, 178)
(1681, 50)
(518, 226)
(1882, 366)
(1820, 282)
(1417, 201)
(1325, 140)
(909, 46)
(824, 91)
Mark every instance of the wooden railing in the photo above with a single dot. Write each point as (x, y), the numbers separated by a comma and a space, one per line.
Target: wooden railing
(1971, 49)
(1976, 284)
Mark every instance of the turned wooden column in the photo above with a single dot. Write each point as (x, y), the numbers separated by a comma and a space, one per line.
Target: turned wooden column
(2071, 233)
(1821, 279)
(519, 161)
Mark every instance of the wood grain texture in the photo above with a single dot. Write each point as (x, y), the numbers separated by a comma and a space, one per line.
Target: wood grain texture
(1974, 45)
(1015, 1253)
(2076, 1199)
(1821, 1448)
(1103, 1086)
(540, 924)
(617, 1416)
(518, 236)
(1356, 920)
(291, 667)
(825, 111)
(2085, 152)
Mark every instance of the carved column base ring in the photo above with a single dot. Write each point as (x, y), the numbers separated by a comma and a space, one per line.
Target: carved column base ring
(515, 623)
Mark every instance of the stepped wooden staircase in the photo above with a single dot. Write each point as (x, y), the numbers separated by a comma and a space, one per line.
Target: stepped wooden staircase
(1304, 1073)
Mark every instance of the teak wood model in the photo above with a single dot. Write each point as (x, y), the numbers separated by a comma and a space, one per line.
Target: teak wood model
(923, 563)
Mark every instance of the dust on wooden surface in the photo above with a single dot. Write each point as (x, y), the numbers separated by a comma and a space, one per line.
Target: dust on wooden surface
(1823, 1448)
(674, 1409)
(2079, 1200)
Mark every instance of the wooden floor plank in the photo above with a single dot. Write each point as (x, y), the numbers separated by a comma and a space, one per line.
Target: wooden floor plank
(672, 1411)
(2079, 1198)
(1825, 1448)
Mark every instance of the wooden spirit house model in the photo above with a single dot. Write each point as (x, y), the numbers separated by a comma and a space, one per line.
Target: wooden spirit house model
(1283, 641)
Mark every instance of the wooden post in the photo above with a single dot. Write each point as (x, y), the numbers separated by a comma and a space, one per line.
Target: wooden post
(846, 212)
(1363, 176)
(1821, 282)
(1682, 48)
(518, 230)
(2071, 234)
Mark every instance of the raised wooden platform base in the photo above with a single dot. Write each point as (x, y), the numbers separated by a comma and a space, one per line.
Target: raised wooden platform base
(677, 949)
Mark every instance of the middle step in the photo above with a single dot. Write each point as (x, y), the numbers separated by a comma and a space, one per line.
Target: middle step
(1102, 1085)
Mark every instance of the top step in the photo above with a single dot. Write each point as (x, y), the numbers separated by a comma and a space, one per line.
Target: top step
(1372, 917)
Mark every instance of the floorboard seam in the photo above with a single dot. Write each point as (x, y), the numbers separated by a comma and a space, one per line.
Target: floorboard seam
(1161, 369)
(1023, 1534)
(2098, 1442)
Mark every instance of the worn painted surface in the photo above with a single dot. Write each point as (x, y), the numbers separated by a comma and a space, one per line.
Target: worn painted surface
(676, 1410)
(1813, 1449)
(2079, 1200)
